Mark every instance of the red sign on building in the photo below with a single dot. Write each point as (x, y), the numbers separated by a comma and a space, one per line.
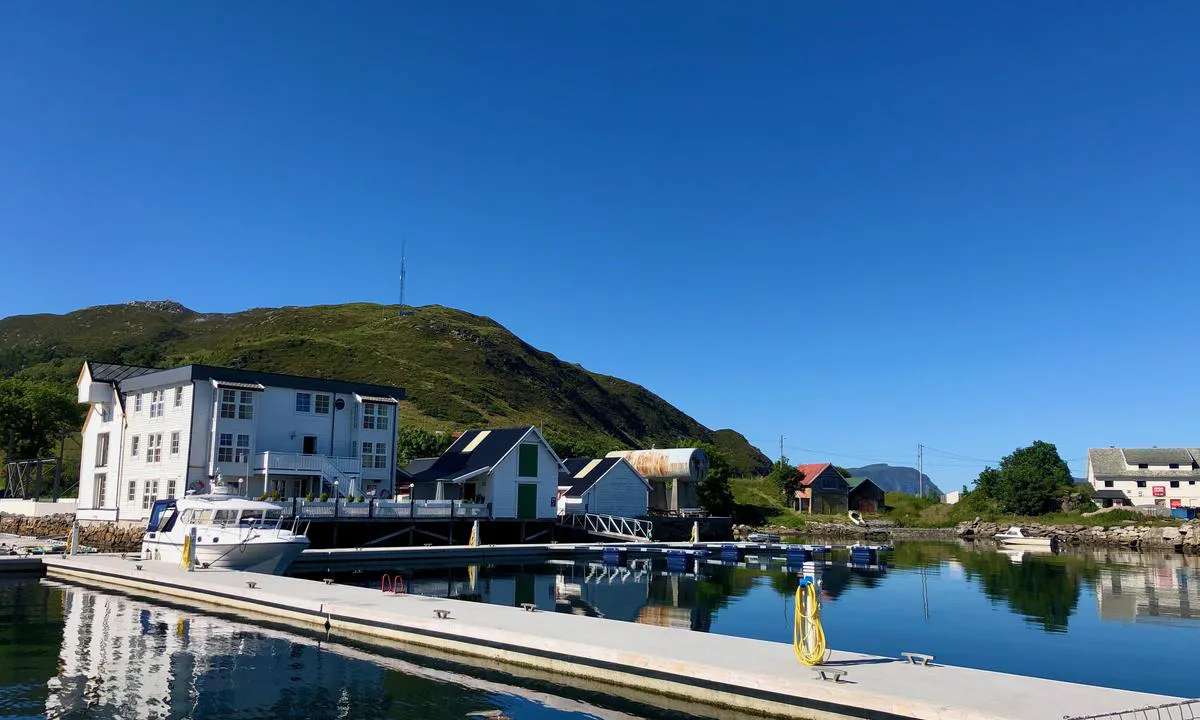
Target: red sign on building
(1160, 491)
(1176, 502)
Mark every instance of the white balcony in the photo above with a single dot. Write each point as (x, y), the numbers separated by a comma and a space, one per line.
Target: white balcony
(383, 509)
(302, 464)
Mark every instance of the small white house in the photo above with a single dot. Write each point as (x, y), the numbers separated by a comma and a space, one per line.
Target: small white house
(605, 486)
(514, 471)
(151, 434)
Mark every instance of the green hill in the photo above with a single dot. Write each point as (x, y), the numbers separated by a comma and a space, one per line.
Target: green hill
(460, 370)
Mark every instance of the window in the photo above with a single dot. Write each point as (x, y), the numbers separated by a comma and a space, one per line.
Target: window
(175, 443)
(178, 397)
(229, 404)
(376, 459)
(375, 416)
(830, 483)
(1108, 483)
(102, 450)
(133, 446)
(154, 447)
(131, 495)
(246, 405)
(225, 447)
(1142, 466)
(1174, 466)
(137, 402)
(1141, 483)
(171, 488)
(304, 402)
(101, 489)
(321, 404)
(106, 414)
(1174, 483)
(527, 461)
(243, 449)
(156, 403)
(149, 493)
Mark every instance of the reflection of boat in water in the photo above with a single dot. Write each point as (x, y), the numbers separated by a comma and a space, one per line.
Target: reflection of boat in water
(1016, 536)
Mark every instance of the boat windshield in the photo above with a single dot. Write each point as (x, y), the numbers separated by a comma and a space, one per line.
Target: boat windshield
(269, 518)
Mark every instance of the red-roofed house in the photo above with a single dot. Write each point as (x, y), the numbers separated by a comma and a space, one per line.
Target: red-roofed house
(822, 491)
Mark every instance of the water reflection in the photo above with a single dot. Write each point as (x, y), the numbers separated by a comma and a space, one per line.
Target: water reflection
(68, 652)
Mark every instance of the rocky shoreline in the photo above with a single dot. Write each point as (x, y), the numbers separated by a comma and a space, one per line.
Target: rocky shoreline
(105, 537)
(1184, 538)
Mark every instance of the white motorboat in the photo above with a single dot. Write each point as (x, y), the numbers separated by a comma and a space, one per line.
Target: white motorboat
(1015, 536)
(231, 532)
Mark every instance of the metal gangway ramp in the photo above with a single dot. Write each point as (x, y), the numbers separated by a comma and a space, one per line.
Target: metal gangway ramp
(610, 526)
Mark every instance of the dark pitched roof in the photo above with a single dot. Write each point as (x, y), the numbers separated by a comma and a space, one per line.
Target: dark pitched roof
(413, 467)
(1110, 494)
(1157, 456)
(856, 482)
(190, 373)
(579, 484)
(1122, 463)
(112, 372)
(458, 461)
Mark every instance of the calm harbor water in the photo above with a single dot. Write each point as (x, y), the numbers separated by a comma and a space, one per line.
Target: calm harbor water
(1102, 617)
(68, 652)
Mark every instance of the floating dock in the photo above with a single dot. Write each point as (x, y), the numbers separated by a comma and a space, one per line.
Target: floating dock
(713, 670)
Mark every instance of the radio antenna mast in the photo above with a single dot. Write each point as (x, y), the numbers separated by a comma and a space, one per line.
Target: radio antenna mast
(403, 272)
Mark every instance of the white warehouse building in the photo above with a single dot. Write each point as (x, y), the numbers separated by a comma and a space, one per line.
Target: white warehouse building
(1162, 477)
(152, 434)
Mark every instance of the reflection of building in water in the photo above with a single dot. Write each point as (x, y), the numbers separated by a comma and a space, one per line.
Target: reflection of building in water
(1165, 592)
(633, 593)
(120, 658)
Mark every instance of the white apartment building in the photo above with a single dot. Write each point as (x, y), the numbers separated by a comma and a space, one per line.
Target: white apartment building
(152, 434)
(1163, 477)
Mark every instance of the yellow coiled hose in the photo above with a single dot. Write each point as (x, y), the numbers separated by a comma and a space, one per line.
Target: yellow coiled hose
(808, 637)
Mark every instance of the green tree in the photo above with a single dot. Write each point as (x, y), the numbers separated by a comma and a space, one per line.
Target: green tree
(842, 471)
(715, 492)
(786, 477)
(412, 443)
(1029, 481)
(34, 413)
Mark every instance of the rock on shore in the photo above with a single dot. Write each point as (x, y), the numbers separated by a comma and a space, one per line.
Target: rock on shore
(1184, 537)
(106, 537)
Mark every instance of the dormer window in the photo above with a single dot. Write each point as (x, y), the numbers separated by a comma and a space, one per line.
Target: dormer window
(1174, 466)
(1143, 466)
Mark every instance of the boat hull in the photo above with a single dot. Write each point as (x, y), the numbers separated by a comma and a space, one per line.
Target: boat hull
(266, 556)
(1029, 542)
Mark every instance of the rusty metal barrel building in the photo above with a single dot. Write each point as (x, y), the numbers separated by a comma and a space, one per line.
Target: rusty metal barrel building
(673, 474)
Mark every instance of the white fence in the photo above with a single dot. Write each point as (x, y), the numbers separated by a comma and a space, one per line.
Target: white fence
(385, 509)
(35, 508)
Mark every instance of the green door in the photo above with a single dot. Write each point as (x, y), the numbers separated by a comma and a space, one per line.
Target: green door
(527, 501)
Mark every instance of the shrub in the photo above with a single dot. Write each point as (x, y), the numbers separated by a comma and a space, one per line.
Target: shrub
(309, 496)
(324, 497)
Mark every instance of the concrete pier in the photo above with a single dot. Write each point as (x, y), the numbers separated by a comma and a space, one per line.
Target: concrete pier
(715, 670)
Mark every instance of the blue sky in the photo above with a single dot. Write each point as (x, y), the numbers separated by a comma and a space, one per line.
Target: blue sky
(861, 225)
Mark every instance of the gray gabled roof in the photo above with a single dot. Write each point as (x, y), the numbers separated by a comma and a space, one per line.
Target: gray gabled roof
(1122, 463)
(115, 373)
(458, 461)
(579, 484)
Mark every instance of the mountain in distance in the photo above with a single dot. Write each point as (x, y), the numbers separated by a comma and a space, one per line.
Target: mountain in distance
(459, 370)
(895, 478)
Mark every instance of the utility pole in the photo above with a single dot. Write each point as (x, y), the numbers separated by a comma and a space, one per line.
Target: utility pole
(921, 469)
(781, 450)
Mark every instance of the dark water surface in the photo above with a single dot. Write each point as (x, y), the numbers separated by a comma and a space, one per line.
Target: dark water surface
(1102, 617)
(68, 652)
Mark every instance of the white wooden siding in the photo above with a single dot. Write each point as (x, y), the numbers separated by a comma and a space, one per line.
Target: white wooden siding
(502, 482)
(621, 491)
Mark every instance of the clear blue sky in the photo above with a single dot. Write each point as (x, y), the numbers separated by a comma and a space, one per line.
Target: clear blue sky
(862, 225)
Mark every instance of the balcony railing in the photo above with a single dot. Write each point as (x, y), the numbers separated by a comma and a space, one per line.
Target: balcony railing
(384, 509)
(287, 462)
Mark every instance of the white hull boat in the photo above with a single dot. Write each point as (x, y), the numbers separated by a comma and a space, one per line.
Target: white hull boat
(1016, 537)
(230, 532)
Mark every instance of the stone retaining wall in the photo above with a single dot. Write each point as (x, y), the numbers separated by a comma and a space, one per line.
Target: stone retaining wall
(106, 537)
(1184, 537)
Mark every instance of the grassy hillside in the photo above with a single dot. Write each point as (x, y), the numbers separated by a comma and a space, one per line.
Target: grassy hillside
(460, 370)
